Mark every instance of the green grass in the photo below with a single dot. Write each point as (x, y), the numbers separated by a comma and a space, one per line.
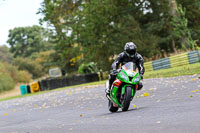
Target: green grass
(173, 72)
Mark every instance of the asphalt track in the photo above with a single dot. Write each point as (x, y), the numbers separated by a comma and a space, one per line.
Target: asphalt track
(165, 105)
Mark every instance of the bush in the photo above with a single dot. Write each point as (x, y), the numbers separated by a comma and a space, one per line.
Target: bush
(24, 76)
(44, 58)
(16, 75)
(6, 82)
(29, 65)
(88, 68)
(12, 70)
(5, 55)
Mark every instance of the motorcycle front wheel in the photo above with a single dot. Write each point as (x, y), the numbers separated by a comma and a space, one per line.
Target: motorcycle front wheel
(127, 99)
(111, 107)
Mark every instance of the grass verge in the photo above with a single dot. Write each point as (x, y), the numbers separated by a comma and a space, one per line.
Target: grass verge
(173, 72)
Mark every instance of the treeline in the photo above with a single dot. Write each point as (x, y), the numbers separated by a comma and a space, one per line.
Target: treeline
(9, 73)
(15, 70)
(85, 32)
(27, 57)
(97, 30)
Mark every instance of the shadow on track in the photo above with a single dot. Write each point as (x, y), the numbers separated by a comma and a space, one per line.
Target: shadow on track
(118, 112)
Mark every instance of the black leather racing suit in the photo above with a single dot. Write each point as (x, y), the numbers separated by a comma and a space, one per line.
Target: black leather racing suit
(123, 59)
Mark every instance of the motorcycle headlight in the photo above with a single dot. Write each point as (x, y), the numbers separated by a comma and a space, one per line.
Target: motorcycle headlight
(124, 77)
(137, 79)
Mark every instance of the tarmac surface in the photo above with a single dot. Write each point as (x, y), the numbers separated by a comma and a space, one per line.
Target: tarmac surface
(164, 105)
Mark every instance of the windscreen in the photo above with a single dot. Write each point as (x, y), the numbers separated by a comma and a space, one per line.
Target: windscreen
(129, 66)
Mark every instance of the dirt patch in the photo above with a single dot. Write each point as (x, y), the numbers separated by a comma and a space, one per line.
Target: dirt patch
(14, 92)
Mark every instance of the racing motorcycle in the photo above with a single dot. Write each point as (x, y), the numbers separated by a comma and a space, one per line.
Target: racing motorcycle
(123, 88)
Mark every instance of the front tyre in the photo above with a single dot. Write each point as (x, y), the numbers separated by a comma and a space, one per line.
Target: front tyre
(111, 107)
(127, 99)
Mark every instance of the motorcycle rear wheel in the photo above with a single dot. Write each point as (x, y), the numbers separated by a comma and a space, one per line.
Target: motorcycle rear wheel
(111, 107)
(127, 99)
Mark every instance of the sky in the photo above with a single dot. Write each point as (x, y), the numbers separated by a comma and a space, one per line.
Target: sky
(17, 13)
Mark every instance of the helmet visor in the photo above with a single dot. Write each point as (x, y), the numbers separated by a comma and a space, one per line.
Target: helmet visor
(131, 52)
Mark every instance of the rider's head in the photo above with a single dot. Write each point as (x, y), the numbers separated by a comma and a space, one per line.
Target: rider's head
(130, 49)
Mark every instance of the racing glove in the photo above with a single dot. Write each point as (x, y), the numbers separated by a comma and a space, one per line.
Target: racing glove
(114, 71)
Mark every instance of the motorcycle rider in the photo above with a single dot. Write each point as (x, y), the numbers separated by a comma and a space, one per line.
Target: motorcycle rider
(128, 55)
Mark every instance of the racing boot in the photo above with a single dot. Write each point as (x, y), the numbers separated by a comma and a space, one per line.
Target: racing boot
(108, 87)
(140, 85)
(109, 83)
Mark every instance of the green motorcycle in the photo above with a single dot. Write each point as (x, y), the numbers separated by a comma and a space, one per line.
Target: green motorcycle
(123, 88)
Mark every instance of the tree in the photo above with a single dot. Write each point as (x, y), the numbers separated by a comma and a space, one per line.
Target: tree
(173, 11)
(100, 28)
(181, 30)
(45, 59)
(25, 41)
(29, 65)
(5, 55)
(193, 16)
(95, 26)
(6, 81)
(56, 14)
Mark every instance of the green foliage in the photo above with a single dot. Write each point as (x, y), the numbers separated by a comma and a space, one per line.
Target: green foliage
(45, 59)
(198, 48)
(9, 75)
(31, 42)
(181, 30)
(95, 26)
(193, 12)
(5, 55)
(88, 68)
(12, 71)
(100, 28)
(24, 76)
(17, 75)
(57, 13)
(25, 41)
(193, 16)
(29, 65)
(6, 82)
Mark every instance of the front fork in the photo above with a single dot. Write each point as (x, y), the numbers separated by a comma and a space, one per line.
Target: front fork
(124, 89)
